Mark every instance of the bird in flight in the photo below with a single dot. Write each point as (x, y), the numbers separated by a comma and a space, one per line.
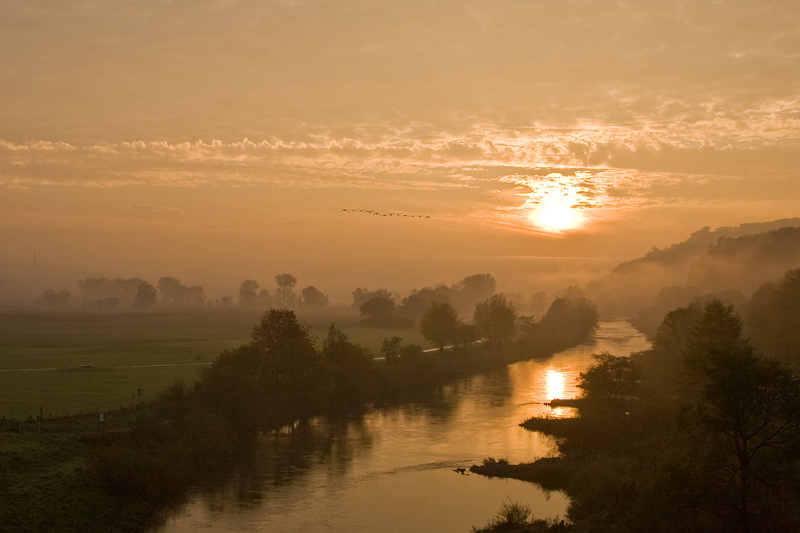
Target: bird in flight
(376, 213)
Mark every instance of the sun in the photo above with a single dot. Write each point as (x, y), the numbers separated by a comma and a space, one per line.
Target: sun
(556, 218)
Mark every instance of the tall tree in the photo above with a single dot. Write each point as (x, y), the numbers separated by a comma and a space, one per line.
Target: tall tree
(610, 379)
(247, 293)
(169, 288)
(289, 370)
(174, 292)
(351, 368)
(146, 296)
(440, 324)
(474, 289)
(285, 295)
(378, 312)
(496, 320)
(748, 411)
(313, 297)
(390, 348)
(52, 298)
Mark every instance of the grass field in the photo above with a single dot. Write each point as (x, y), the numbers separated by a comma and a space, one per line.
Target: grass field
(41, 354)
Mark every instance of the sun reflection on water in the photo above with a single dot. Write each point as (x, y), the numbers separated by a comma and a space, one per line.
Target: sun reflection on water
(555, 384)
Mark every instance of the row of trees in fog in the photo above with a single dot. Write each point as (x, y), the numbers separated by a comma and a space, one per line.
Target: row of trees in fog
(136, 293)
(284, 295)
(114, 293)
(380, 308)
(494, 320)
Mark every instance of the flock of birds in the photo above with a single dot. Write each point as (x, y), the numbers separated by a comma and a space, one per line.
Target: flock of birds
(371, 212)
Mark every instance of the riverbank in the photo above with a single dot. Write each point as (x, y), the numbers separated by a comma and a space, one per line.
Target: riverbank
(550, 473)
(712, 447)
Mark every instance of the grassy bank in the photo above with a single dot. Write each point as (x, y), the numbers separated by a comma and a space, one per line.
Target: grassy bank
(44, 486)
(133, 356)
(551, 473)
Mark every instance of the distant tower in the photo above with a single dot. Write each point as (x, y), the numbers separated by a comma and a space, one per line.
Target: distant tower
(34, 257)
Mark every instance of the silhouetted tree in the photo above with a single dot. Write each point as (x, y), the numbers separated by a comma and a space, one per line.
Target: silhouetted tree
(378, 312)
(278, 327)
(176, 293)
(663, 363)
(351, 368)
(169, 287)
(496, 320)
(247, 293)
(193, 295)
(94, 291)
(52, 298)
(467, 335)
(474, 289)
(264, 298)
(289, 368)
(390, 348)
(360, 296)
(611, 379)
(312, 297)
(146, 296)
(716, 338)
(285, 296)
(416, 305)
(748, 411)
(412, 353)
(440, 324)
(568, 321)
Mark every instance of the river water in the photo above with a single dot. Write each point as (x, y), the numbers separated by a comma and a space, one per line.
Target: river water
(392, 469)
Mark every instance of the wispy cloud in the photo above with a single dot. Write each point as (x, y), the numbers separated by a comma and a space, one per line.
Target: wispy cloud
(590, 166)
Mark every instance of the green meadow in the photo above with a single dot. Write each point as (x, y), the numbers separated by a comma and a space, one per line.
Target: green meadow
(72, 362)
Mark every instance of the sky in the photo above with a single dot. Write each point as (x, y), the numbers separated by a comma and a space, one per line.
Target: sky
(543, 141)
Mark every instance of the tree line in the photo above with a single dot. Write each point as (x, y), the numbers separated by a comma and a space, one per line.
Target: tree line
(170, 292)
(284, 295)
(382, 308)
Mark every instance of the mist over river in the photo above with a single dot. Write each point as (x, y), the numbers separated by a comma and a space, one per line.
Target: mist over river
(392, 469)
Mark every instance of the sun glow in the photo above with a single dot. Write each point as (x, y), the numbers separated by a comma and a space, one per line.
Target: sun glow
(556, 217)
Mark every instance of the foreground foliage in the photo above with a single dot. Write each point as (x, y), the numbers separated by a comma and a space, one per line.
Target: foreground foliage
(711, 444)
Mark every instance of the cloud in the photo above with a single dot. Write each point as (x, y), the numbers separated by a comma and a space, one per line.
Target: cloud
(590, 166)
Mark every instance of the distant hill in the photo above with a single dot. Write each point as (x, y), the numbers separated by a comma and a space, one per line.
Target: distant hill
(745, 262)
(697, 244)
(726, 259)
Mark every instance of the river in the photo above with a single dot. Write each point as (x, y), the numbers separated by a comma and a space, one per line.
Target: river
(392, 469)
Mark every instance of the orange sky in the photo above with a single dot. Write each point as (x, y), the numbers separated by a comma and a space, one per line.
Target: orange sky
(217, 140)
